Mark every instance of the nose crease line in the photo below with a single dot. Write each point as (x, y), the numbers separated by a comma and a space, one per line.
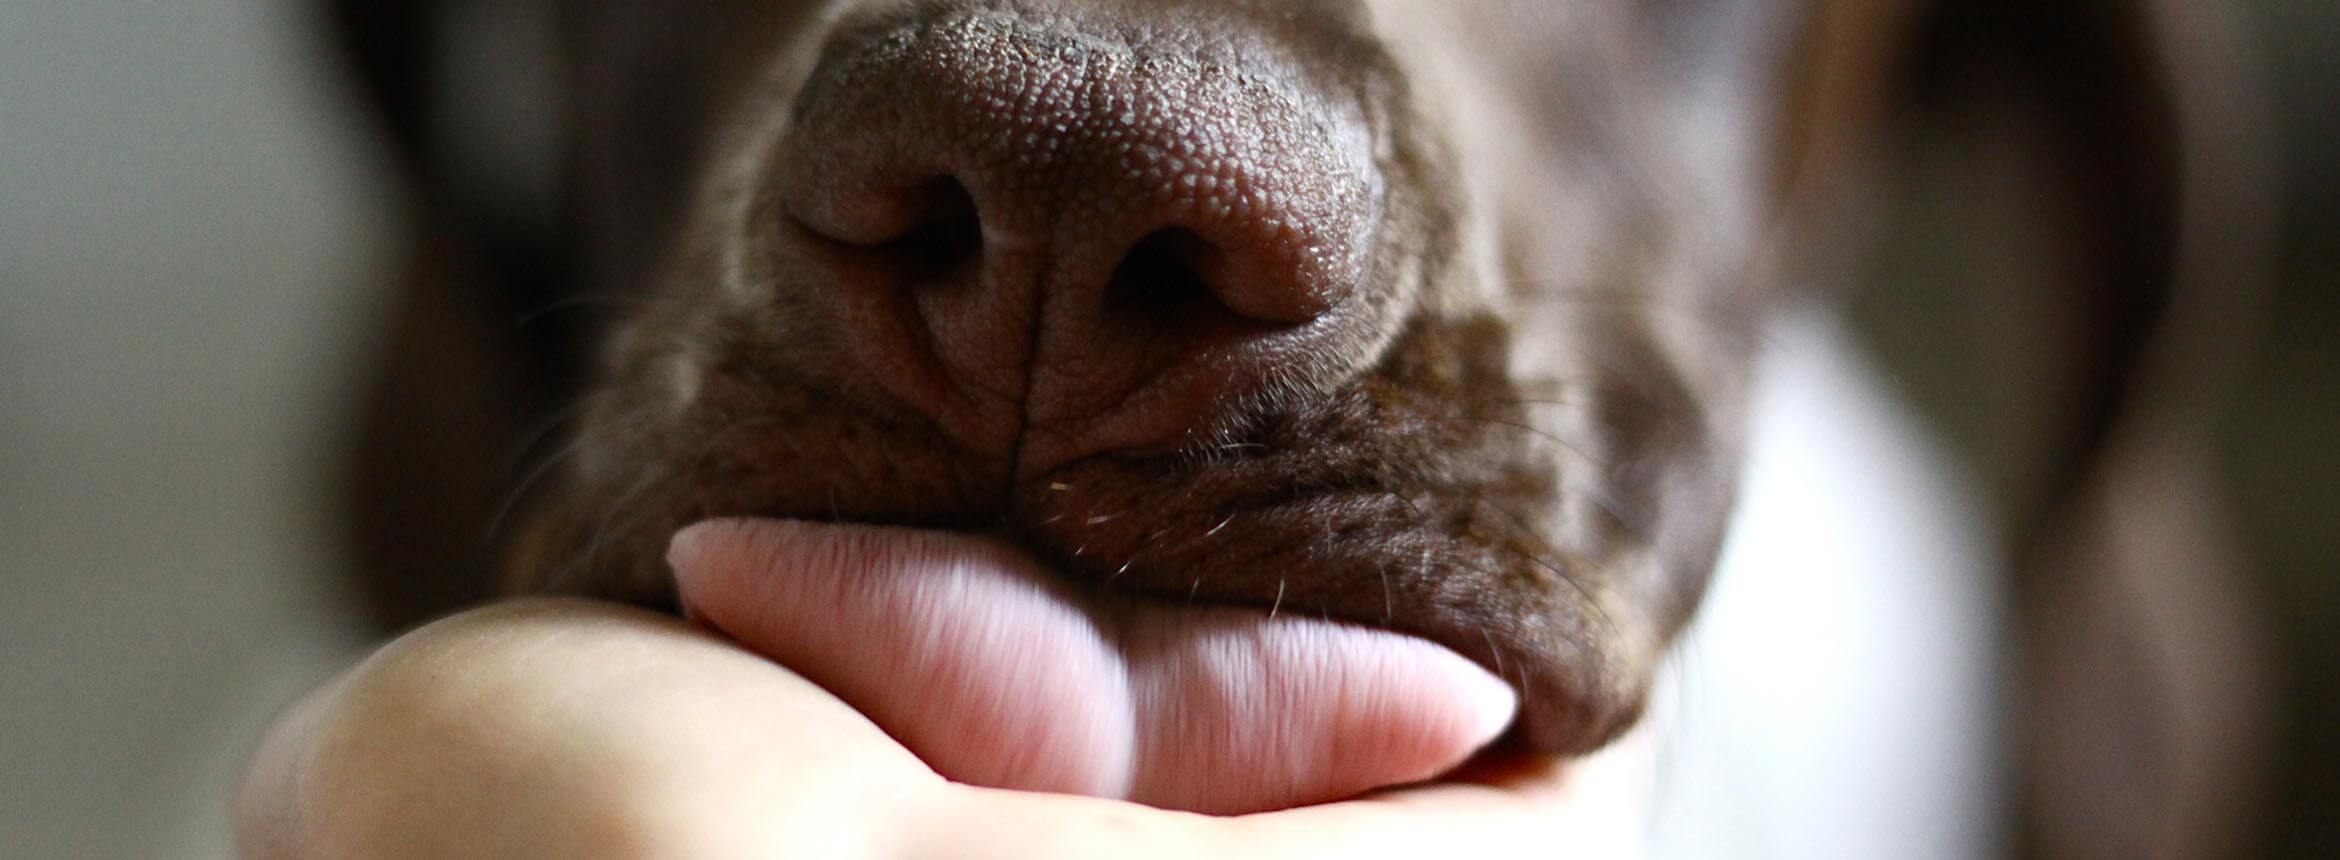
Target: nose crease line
(1086, 104)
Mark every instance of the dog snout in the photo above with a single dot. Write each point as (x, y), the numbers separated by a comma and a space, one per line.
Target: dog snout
(1080, 241)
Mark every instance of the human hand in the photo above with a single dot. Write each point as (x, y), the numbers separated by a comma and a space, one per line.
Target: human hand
(561, 728)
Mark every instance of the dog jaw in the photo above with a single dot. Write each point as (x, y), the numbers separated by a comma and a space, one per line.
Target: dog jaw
(1525, 458)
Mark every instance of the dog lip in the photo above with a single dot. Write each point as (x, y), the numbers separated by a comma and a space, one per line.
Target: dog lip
(1269, 528)
(1002, 672)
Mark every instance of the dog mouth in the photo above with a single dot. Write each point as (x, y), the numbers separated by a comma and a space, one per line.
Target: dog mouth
(998, 670)
(1387, 469)
(1396, 507)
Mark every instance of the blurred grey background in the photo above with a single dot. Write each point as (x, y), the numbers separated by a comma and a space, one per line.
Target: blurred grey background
(191, 228)
(188, 229)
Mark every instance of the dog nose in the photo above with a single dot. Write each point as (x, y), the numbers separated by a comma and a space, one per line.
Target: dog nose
(1111, 241)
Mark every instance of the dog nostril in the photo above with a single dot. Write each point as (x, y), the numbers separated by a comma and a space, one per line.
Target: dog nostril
(1162, 278)
(1170, 281)
(927, 230)
(945, 234)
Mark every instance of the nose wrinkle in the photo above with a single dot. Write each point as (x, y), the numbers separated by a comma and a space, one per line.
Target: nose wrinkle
(1084, 157)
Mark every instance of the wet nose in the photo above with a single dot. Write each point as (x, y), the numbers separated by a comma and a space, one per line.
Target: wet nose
(1085, 242)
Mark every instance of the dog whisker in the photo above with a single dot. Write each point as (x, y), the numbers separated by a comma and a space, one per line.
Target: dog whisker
(545, 428)
(520, 490)
(571, 303)
(1592, 602)
(613, 511)
(1546, 435)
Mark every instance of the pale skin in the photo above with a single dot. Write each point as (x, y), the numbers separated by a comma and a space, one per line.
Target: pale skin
(554, 728)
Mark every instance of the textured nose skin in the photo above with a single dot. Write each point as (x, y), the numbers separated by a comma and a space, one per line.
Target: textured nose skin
(1064, 243)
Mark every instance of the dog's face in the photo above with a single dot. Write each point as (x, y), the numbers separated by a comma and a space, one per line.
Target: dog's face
(1425, 316)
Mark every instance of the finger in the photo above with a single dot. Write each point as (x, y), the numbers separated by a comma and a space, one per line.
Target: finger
(572, 729)
(1591, 808)
(979, 658)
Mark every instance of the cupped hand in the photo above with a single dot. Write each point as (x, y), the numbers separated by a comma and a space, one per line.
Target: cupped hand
(557, 728)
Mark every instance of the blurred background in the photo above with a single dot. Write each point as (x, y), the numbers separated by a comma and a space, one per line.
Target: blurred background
(194, 235)
(2282, 446)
